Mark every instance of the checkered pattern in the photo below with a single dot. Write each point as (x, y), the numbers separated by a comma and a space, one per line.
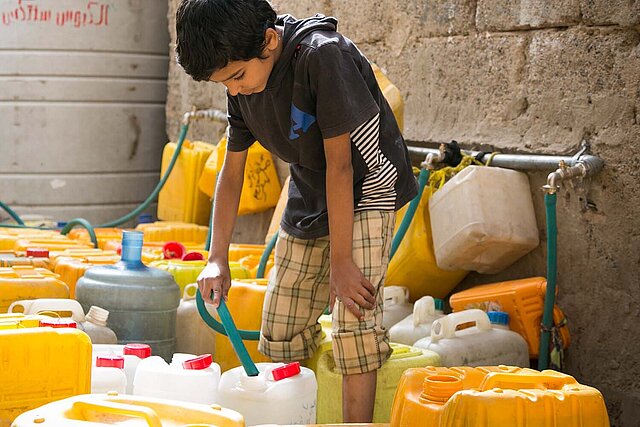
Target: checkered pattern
(298, 294)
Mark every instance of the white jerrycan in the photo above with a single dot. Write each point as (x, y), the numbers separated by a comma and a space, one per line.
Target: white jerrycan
(418, 324)
(190, 378)
(280, 394)
(107, 374)
(396, 305)
(133, 353)
(93, 324)
(494, 224)
(480, 345)
(193, 336)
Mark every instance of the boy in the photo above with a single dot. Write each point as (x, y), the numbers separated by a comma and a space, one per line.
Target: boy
(310, 97)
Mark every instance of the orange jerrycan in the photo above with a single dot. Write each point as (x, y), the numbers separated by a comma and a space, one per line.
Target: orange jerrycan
(103, 235)
(111, 409)
(246, 298)
(25, 282)
(9, 236)
(495, 396)
(522, 299)
(41, 365)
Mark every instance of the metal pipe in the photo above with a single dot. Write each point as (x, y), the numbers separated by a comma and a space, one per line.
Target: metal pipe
(210, 114)
(529, 162)
(434, 156)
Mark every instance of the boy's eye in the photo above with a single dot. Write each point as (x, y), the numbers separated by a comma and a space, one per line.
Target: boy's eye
(240, 77)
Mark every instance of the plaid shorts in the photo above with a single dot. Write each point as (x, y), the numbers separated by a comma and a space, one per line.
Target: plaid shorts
(298, 294)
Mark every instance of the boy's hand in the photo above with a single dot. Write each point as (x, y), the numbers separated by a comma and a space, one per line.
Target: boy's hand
(349, 285)
(216, 279)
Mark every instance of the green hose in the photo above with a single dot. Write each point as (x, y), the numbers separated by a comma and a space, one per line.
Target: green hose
(265, 256)
(84, 223)
(423, 178)
(552, 272)
(12, 213)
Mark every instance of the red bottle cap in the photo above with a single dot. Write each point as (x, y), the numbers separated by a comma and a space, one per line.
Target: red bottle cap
(199, 363)
(193, 256)
(54, 322)
(38, 252)
(172, 250)
(287, 371)
(110, 362)
(134, 349)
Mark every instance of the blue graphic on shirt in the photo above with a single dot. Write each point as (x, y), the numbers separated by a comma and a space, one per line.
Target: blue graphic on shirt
(299, 121)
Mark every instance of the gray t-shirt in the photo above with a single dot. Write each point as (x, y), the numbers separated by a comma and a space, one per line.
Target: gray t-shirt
(322, 86)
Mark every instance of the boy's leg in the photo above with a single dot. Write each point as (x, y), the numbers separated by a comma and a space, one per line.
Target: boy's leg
(360, 347)
(297, 294)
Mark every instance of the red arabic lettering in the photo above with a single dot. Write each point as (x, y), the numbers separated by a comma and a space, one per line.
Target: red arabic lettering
(94, 14)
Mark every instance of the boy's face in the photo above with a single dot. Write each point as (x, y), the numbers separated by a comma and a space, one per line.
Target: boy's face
(249, 77)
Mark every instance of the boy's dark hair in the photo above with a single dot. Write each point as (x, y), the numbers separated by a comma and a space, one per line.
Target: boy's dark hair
(211, 33)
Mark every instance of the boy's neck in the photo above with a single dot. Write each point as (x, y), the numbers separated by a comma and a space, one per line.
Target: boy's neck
(278, 51)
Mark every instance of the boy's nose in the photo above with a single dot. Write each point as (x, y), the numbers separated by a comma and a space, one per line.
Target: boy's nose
(233, 88)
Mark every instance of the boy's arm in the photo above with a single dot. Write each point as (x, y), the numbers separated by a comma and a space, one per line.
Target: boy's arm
(347, 281)
(216, 276)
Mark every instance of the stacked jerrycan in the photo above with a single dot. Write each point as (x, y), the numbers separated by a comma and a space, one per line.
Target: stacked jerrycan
(142, 301)
(494, 224)
(279, 394)
(478, 345)
(396, 305)
(417, 325)
(193, 336)
(26, 282)
(188, 378)
(330, 380)
(102, 410)
(72, 264)
(41, 365)
(94, 323)
(131, 354)
(495, 396)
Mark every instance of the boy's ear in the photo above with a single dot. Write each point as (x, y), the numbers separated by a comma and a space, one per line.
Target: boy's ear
(271, 37)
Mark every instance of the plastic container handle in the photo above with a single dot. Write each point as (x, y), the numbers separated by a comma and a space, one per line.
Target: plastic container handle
(423, 310)
(396, 294)
(445, 327)
(186, 295)
(148, 414)
(50, 304)
(546, 380)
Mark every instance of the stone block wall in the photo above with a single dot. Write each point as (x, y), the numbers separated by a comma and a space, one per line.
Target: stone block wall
(535, 76)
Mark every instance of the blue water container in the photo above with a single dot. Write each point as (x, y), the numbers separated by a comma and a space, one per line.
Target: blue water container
(142, 301)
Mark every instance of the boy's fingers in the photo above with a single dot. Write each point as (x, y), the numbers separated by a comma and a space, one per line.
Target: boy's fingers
(363, 302)
(352, 307)
(368, 286)
(205, 290)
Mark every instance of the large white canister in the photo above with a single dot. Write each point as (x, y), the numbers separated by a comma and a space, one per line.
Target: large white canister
(396, 305)
(189, 378)
(479, 345)
(280, 394)
(483, 220)
(417, 325)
